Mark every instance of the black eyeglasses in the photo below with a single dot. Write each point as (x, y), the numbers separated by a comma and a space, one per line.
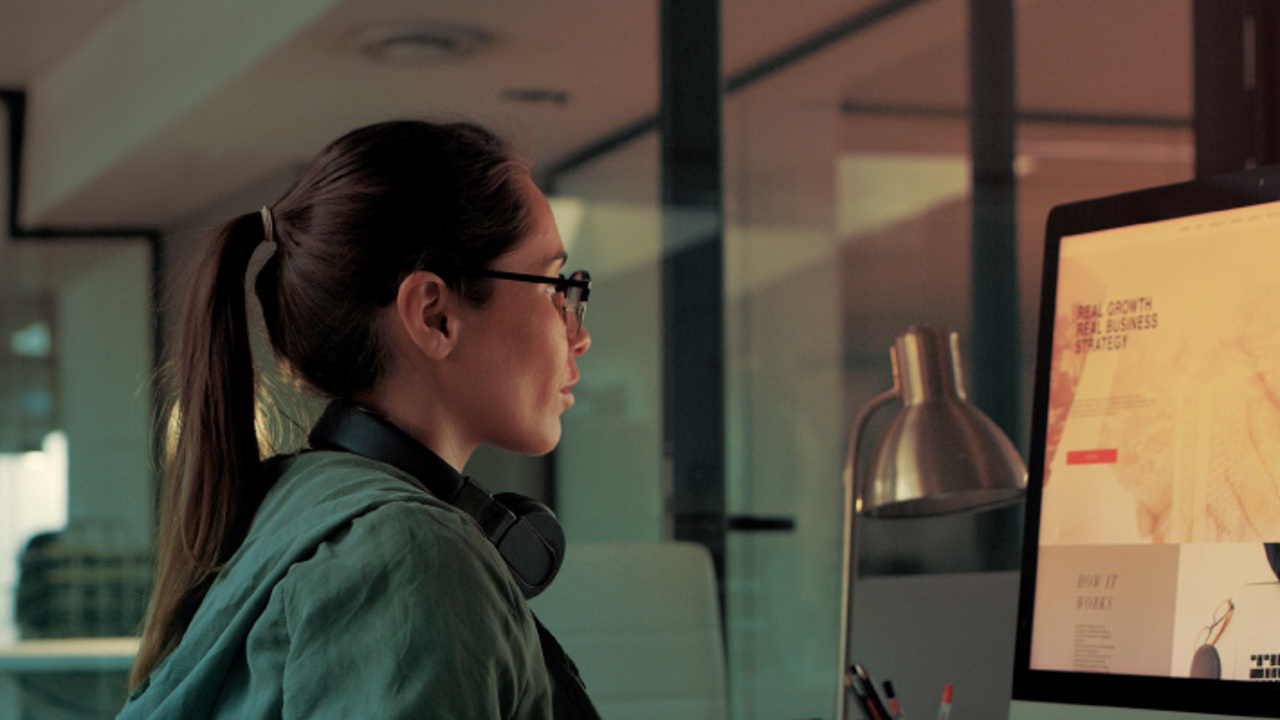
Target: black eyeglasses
(573, 292)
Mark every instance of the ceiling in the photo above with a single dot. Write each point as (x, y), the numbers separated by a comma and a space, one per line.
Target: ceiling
(142, 112)
(145, 113)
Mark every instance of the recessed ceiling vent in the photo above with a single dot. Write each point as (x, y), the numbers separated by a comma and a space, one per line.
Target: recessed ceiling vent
(419, 43)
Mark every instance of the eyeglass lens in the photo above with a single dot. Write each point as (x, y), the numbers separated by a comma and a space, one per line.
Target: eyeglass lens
(575, 308)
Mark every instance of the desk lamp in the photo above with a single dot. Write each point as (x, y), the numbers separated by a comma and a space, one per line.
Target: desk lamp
(939, 455)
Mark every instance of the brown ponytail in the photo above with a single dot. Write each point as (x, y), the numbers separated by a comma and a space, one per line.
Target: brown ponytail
(376, 205)
(211, 485)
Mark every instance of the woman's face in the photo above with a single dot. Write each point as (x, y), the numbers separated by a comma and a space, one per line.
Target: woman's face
(514, 353)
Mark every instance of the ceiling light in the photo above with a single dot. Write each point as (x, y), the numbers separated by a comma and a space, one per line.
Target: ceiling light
(421, 43)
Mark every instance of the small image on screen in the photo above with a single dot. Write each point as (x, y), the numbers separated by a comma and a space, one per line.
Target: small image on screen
(1162, 452)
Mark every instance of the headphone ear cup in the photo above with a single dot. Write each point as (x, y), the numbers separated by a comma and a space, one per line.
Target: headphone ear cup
(533, 546)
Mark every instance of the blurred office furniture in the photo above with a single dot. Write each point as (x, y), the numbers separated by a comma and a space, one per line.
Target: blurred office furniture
(642, 623)
(65, 679)
(82, 581)
(81, 592)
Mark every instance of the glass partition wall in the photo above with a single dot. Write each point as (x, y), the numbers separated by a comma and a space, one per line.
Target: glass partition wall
(75, 466)
(77, 353)
(850, 216)
(609, 475)
(847, 222)
(849, 203)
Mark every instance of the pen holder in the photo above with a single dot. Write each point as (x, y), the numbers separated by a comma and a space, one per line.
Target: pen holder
(863, 695)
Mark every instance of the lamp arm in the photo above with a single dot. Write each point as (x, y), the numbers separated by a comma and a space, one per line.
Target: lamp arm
(849, 575)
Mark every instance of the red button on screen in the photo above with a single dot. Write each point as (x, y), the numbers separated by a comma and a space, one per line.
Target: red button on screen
(1091, 457)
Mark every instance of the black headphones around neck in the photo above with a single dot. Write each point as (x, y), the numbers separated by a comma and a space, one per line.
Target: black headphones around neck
(525, 532)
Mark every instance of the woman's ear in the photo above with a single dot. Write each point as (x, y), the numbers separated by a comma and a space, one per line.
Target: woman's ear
(425, 308)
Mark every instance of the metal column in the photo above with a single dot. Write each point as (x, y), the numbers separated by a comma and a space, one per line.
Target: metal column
(995, 365)
(693, 273)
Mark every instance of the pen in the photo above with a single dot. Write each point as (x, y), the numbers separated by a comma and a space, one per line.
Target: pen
(873, 697)
(854, 685)
(944, 710)
(894, 706)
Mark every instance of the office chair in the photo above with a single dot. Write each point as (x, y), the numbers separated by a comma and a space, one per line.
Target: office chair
(642, 623)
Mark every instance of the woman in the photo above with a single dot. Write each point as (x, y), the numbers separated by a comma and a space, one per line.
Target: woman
(414, 280)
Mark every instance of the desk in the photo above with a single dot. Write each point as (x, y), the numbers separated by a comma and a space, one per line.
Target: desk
(73, 655)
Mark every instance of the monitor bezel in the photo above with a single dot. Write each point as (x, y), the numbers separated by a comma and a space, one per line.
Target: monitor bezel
(1223, 697)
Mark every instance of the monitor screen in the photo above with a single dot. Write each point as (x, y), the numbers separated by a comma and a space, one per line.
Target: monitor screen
(1150, 581)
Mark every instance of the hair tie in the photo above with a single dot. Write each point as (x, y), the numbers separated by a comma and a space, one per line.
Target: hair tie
(268, 224)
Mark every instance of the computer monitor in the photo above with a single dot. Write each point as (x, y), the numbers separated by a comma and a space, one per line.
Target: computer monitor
(1149, 588)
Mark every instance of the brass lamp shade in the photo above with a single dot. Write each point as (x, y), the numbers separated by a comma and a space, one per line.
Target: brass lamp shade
(940, 454)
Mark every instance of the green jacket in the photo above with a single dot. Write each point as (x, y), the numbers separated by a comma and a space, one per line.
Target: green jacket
(355, 595)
